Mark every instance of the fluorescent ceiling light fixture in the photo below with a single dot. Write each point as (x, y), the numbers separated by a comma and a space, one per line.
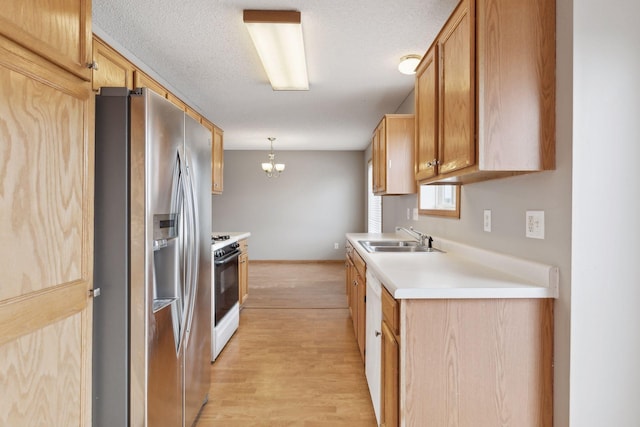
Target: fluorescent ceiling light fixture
(408, 64)
(277, 36)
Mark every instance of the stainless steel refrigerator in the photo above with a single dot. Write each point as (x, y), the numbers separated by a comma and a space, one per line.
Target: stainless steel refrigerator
(152, 317)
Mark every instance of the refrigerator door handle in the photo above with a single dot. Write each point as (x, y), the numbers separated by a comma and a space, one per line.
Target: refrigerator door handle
(194, 250)
(186, 243)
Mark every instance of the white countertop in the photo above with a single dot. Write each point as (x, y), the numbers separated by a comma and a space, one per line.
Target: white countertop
(234, 236)
(461, 272)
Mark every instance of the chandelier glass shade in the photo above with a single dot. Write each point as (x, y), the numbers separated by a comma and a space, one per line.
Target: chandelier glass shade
(271, 168)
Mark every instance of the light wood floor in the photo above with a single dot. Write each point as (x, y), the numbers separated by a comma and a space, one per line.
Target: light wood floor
(294, 360)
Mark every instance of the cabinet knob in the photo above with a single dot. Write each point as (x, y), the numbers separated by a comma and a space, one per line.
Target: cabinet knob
(92, 65)
(433, 163)
(378, 333)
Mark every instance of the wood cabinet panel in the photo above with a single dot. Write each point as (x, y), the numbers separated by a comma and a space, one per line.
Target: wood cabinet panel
(457, 96)
(243, 272)
(58, 30)
(43, 373)
(495, 90)
(46, 173)
(426, 107)
(46, 170)
(110, 68)
(141, 79)
(478, 362)
(361, 329)
(391, 311)
(217, 161)
(393, 155)
(390, 379)
(519, 64)
(217, 157)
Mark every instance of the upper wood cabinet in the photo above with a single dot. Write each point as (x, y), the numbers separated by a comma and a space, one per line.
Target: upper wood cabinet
(392, 149)
(217, 157)
(110, 69)
(485, 93)
(141, 79)
(426, 93)
(58, 30)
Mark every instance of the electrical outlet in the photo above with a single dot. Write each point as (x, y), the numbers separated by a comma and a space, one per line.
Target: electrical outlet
(487, 220)
(408, 213)
(415, 214)
(534, 224)
(336, 246)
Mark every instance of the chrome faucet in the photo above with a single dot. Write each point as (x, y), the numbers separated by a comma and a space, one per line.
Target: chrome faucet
(423, 239)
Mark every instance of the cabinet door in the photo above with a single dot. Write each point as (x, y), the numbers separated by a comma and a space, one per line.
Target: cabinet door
(362, 314)
(110, 68)
(375, 161)
(353, 302)
(58, 30)
(217, 161)
(457, 91)
(382, 157)
(243, 275)
(427, 116)
(390, 379)
(46, 256)
(348, 279)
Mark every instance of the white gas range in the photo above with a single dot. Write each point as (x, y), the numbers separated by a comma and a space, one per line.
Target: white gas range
(225, 316)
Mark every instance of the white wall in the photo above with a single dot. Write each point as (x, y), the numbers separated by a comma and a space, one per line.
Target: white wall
(605, 321)
(509, 199)
(301, 214)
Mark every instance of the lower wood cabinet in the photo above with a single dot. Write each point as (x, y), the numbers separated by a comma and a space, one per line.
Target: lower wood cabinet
(356, 287)
(467, 362)
(390, 362)
(389, 378)
(243, 272)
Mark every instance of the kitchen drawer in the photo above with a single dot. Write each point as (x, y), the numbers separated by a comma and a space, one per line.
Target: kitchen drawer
(391, 311)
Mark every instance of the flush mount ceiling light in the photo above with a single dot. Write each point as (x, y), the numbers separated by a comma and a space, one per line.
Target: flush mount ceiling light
(271, 168)
(277, 36)
(408, 64)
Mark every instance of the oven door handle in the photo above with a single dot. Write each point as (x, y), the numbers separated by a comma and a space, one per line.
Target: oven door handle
(227, 258)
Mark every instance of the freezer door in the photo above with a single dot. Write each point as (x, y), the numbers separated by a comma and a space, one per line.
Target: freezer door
(197, 349)
(157, 135)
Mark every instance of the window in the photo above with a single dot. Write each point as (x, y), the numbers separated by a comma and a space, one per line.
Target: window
(374, 205)
(439, 200)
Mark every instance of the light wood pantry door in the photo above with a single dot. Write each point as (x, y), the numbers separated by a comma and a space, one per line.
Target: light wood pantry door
(46, 256)
(217, 161)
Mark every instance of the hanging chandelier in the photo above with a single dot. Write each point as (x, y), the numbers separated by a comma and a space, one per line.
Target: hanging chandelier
(271, 168)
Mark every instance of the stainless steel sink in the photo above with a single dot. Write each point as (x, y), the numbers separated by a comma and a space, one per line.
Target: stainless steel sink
(395, 246)
(388, 243)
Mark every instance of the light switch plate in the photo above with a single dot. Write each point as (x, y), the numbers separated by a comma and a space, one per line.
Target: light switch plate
(415, 214)
(487, 220)
(534, 224)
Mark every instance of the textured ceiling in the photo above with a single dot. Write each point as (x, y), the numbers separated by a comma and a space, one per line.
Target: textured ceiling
(202, 49)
